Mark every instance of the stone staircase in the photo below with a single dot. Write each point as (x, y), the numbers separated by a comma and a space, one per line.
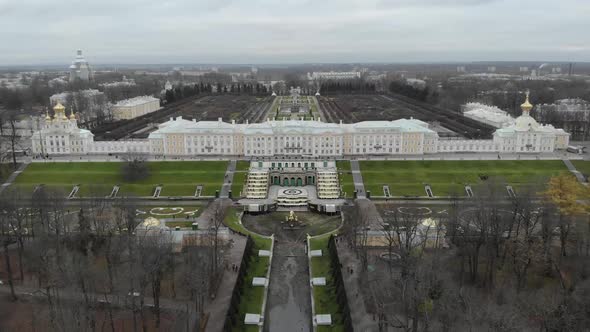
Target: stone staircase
(257, 185)
(327, 185)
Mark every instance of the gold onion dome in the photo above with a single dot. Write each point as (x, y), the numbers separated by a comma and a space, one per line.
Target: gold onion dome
(59, 108)
(526, 106)
(72, 116)
(60, 111)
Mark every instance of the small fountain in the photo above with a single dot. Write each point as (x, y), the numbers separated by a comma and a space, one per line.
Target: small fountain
(292, 220)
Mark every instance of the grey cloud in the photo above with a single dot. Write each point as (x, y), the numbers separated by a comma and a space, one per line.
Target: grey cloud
(139, 31)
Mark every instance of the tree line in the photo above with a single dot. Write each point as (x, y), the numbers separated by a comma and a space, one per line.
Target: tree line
(487, 263)
(95, 265)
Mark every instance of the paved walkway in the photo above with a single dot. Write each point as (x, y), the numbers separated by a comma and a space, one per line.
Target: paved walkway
(373, 215)
(217, 308)
(362, 319)
(574, 171)
(357, 178)
(437, 156)
(229, 176)
(320, 111)
(13, 176)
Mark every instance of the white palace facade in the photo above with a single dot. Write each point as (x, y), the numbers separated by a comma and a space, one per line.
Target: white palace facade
(179, 137)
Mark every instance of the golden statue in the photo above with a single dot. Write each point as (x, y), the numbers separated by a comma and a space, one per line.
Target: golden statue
(292, 217)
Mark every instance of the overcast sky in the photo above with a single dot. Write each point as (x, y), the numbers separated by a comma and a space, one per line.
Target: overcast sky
(293, 31)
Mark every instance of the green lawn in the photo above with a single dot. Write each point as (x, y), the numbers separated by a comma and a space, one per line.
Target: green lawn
(582, 166)
(238, 183)
(242, 165)
(325, 296)
(252, 297)
(345, 177)
(407, 178)
(240, 176)
(177, 178)
(5, 171)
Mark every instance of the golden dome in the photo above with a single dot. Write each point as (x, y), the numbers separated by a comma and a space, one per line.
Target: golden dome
(526, 106)
(60, 112)
(72, 116)
(59, 108)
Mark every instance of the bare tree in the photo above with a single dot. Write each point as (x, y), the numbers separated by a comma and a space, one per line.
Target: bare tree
(7, 211)
(196, 272)
(524, 244)
(356, 229)
(135, 167)
(218, 214)
(154, 257)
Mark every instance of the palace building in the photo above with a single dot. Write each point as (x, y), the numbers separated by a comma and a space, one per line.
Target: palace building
(179, 137)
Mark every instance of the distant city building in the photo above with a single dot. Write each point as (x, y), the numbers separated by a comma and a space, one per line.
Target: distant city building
(489, 115)
(80, 69)
(461, 69)
(333, 75)
(298, 138)
(134, 107)
(375, 76)
(483, 76)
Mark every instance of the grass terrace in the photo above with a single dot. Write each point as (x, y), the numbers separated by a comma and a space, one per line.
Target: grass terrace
(324, 297)
(583, 166)
(345, 177)
(252, 297)
(98, 179)
(238, 183)
(407, 178)
(240, 176)
(242, 166)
